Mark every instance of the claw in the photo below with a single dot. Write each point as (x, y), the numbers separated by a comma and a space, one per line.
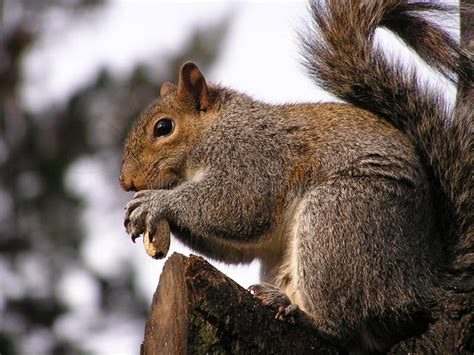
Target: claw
(280, 313)
(135, 237)
(288, 313)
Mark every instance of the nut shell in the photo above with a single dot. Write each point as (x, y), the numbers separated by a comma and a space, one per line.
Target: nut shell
(158, 245)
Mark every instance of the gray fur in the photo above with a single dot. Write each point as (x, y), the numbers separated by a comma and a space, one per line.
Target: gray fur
(336, 202)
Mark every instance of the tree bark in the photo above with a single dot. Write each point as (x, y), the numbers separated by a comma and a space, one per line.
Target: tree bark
(451, 333)
(198, 310)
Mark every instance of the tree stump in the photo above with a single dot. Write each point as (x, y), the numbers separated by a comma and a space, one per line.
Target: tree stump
(198, 310)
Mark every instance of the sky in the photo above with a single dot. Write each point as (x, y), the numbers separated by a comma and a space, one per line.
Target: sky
(262, 41)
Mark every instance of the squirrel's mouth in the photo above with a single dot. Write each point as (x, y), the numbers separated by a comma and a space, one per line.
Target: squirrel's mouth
(168, 184)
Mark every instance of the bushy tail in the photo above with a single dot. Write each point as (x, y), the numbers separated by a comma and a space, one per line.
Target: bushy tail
(342, 58)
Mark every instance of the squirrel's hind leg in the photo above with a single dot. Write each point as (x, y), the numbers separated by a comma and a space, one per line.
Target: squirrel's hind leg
(362, 265)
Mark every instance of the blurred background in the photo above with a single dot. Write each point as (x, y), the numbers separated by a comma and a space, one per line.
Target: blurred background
(74, 74)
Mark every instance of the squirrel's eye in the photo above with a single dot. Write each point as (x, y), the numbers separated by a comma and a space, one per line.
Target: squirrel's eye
(163, 127)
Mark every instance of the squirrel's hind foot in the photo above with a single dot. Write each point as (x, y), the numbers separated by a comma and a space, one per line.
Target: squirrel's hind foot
(276, 299)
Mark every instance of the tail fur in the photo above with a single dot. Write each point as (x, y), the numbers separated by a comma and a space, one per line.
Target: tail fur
(341, 57)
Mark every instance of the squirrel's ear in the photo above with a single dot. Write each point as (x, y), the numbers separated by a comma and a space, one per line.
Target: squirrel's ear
(167, 88)
(192, 84)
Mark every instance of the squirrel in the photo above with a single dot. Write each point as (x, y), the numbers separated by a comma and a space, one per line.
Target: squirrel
(355, 210)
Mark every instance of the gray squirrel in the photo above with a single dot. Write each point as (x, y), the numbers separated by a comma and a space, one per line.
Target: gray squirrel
(356, 210)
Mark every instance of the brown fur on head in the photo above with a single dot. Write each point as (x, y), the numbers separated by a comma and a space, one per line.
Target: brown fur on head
(154, 158)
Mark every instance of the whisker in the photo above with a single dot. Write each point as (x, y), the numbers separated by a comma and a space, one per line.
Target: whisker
(117, 130)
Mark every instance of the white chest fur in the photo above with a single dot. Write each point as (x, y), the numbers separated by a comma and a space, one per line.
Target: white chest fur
(280, 265)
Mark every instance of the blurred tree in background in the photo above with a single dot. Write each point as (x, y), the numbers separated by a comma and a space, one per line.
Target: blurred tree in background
(40, 224)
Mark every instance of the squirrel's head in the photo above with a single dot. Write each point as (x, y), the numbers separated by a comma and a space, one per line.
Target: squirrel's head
(158, 145)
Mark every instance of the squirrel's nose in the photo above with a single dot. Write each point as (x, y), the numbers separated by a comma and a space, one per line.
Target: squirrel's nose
(127, 183)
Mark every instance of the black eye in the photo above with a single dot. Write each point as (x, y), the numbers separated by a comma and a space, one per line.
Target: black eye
(163, 127)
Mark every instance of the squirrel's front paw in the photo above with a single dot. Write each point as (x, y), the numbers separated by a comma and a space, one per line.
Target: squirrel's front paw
(275, 298)
(142, 213)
